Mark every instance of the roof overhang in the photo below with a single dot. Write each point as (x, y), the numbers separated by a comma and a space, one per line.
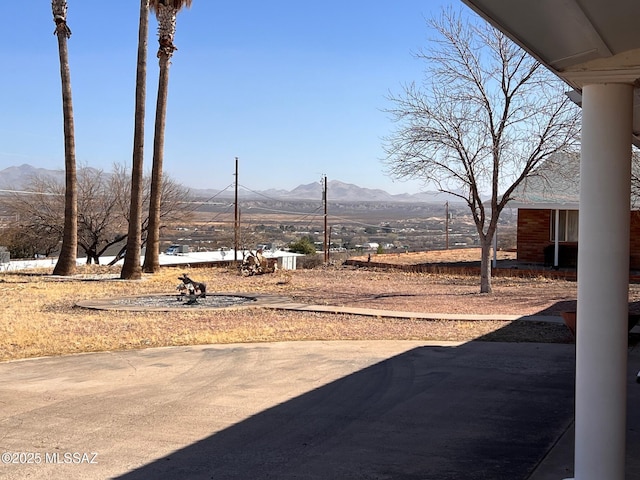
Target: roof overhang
(581, 41)
(543, 206)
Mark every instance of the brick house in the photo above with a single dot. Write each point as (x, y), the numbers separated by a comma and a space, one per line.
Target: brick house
(548, 202)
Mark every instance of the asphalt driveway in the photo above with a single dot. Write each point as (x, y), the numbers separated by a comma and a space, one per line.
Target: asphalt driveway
(304, 410)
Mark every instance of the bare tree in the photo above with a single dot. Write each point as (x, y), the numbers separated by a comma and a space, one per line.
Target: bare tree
(40, 212)
(100, 221)
(103, 201)
(38, 223)
(485, 116)
(175, 205)
(28, 241)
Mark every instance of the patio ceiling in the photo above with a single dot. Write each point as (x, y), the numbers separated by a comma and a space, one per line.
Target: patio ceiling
(581, 41)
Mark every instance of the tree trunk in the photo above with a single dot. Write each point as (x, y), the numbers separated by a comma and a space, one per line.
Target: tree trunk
(66, 264)
(131, 269)
(485, 264)
(151, 259)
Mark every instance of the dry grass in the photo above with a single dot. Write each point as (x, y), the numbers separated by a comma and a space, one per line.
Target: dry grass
(38, 316)
(435, 256)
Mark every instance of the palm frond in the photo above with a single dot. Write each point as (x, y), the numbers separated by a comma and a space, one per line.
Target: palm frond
(176, 4)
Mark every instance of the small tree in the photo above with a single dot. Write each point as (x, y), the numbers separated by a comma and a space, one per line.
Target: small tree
(38, 224)
(486, 116)
(24, 241)
(304, 246)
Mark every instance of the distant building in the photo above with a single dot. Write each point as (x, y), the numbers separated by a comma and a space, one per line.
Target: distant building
(548, 215)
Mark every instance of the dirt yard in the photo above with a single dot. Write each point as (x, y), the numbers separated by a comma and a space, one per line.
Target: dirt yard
(39, 316)
(435, 256)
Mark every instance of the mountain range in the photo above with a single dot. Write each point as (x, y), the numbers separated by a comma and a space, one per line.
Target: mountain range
(18, 177)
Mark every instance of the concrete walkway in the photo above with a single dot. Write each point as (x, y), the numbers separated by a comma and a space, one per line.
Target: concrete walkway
(278, 302)
(376, 312)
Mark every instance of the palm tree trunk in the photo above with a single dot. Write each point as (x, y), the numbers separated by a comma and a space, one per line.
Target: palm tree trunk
(152, 255)
(131, 270)
(166, 11)
(66, 264)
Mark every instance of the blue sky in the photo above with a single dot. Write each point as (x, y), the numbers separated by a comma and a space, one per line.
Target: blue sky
(294, 89)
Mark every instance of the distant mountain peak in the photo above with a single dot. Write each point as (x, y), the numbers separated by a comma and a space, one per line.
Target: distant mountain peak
(337, 190)
(17, 178)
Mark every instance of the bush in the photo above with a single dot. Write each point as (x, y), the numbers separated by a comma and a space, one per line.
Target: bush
(304, 245)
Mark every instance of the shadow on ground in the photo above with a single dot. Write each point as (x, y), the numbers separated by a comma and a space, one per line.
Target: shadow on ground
(572, 305)
(534, 331)
(473, 411)
(529, 331)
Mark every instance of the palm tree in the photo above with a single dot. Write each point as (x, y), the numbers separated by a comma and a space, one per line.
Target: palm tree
(131, 269)
(166, 12)
(66, 264)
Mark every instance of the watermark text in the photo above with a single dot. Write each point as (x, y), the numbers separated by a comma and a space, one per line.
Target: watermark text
(57, 458)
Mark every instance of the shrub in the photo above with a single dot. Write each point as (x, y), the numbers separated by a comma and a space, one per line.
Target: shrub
(304, 245)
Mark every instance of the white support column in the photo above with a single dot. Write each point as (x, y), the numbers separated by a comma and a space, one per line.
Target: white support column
(603, 282)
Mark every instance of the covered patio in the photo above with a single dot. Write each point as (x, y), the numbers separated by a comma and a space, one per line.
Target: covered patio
(594, 46)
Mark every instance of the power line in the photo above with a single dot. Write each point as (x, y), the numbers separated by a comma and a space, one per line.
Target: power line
(282, 211)
(361, 223)
(261, 194)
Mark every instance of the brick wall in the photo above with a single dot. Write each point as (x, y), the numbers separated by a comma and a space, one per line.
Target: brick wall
(534, 234)
(635, 241)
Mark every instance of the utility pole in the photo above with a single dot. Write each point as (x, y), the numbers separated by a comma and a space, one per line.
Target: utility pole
(326, 230)
(236, 219)
(446, 225)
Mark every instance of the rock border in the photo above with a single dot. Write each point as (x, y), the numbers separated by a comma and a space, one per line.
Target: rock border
(253, 300)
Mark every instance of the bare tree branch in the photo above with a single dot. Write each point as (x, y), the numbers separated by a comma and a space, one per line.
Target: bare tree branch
(484, 118)
(103, 210)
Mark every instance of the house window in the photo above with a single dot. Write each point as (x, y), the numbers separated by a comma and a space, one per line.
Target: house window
(567, 226)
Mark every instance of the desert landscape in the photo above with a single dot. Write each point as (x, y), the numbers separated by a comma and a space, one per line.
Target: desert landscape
(40, 316)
